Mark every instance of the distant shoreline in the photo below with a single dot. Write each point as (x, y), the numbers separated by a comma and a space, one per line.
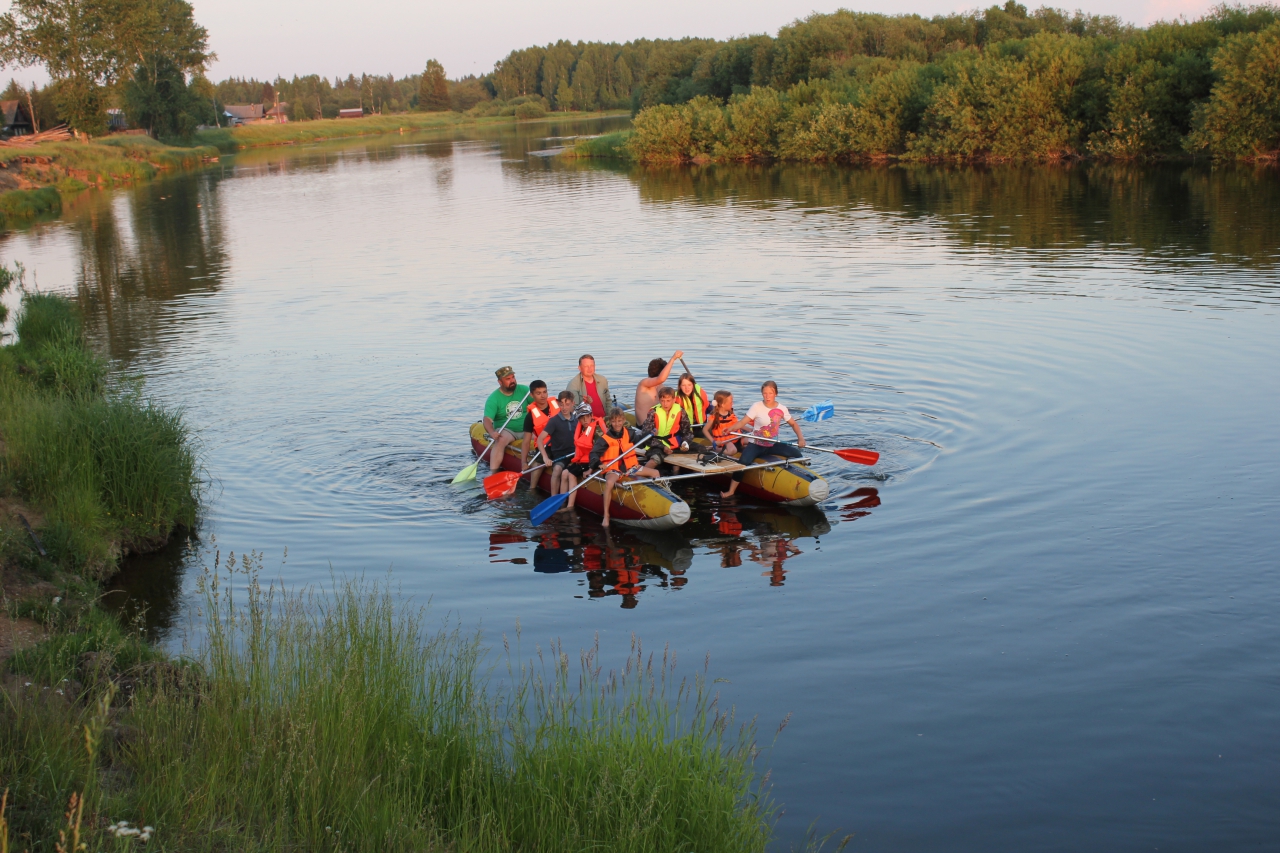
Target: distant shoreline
(34, 180)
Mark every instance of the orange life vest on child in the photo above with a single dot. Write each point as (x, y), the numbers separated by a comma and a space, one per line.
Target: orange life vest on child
(668, 424)
(584, 436)
(721, 425)
(618, 447)
(695, 407)
(540, 418)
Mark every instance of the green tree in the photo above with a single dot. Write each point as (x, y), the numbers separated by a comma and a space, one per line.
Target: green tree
(157, 98)
(89, 45)
(433, 91)
(1242, 116)
(75, 42)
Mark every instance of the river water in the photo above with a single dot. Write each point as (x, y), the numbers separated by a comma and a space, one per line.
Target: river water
(1047, 620)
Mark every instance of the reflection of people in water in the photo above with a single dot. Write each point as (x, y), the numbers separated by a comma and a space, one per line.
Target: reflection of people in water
(773, 552)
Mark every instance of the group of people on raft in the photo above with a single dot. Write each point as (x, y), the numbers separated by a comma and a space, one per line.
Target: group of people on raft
(577, 433)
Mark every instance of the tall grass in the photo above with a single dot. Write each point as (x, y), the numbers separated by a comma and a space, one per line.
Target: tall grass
(337, 722)
(612, 146)
(112, 471)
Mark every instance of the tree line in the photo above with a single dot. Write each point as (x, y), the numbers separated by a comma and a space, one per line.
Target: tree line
(989, 85)
(998, 85)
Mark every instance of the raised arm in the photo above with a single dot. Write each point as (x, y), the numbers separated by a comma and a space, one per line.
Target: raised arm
(661, 378)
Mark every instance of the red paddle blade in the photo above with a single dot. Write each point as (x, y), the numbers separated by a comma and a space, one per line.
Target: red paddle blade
(501, 484)
(862, 457)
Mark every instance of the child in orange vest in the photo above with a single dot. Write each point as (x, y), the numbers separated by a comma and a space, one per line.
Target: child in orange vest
(617, 439)
(541, 411)
(720, 423)
(585, 430)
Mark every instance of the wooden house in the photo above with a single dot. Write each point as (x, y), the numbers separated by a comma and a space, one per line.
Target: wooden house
(238, 114)
(17, 119)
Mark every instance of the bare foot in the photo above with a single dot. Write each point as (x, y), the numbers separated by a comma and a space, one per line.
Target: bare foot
(605, 523)
(726, 494)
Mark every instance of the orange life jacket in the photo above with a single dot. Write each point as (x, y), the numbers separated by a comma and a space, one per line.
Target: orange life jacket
(616, 448)
(584, 435)
(722, 424)
(541, 418)
(695, 407)
(668, 424)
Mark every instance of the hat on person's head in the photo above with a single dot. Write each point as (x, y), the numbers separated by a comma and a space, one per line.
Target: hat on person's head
(582, 410)
(503, 372)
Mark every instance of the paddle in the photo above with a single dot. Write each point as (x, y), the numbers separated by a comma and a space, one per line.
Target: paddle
(819, 412)
(503, 483)
(469, 472)
(551, 505)
(734, 471)
(848, 454)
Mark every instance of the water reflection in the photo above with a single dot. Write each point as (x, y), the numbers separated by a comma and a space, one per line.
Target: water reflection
(1192, 213)
(141, 252)
(624, 563)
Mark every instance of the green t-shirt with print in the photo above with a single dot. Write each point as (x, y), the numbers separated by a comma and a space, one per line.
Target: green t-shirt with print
(500, 405)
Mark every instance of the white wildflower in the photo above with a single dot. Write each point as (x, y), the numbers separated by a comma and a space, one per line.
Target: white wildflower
(57, 598)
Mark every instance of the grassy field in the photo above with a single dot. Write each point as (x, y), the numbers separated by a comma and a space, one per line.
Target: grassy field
(314, 720)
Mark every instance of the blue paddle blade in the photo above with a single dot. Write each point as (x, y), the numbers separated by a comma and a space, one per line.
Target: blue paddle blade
(547, 508)
(820, 412)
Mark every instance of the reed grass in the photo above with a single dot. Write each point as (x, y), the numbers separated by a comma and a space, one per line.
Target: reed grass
(338, 722)
(27, 204)
(611, 146)
(112, 471)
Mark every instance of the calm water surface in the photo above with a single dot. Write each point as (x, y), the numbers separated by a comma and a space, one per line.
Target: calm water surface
(1046, 621)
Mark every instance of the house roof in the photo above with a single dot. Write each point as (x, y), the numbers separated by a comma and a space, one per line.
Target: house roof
(243, 111)
(281, 109)
(15, 112)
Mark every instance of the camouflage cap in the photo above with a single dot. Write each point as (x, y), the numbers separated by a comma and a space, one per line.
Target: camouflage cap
(503, 372)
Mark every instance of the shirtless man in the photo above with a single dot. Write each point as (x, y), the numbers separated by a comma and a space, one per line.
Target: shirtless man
(647, 390)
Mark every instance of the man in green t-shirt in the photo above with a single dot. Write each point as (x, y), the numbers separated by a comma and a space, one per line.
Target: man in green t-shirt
(503, 415)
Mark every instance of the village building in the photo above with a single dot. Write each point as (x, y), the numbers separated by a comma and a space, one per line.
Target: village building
(238, 114)
(17, 119)
(352, 113)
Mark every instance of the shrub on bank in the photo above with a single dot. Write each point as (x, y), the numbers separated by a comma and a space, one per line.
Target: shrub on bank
(1242, 116)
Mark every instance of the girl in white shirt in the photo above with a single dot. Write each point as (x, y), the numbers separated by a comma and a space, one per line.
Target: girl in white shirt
(764, 419)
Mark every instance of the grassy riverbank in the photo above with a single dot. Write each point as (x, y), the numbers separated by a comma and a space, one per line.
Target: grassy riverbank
(308, 721)
(292, 133)
(33, 180)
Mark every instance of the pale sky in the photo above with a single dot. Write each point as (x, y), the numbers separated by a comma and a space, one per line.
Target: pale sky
(287, 37)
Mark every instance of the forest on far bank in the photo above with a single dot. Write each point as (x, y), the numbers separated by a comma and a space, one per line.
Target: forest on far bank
(1000, 84)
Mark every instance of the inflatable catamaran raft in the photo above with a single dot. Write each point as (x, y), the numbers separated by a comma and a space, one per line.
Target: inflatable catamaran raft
(636, 502)
(651, 505)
